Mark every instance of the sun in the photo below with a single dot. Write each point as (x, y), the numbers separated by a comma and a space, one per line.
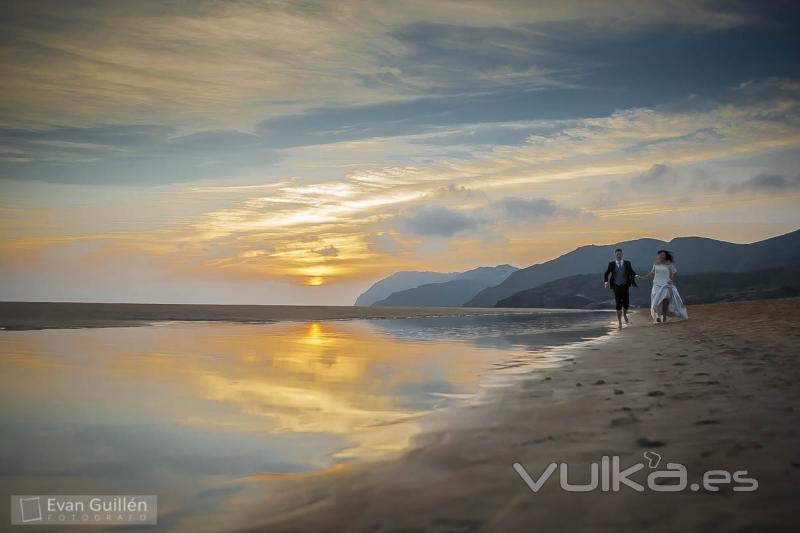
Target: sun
(315, 281)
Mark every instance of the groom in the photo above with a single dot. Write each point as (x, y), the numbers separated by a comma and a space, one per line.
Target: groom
(620, 276)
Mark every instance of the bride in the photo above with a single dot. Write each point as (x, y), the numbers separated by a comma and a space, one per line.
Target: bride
(664, 298)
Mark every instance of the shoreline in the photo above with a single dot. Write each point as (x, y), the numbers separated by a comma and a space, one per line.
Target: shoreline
(719, 391)
(20, 316)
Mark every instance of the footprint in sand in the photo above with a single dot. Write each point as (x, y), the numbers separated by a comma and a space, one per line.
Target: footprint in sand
(682, 396)
(650, 443)
(707, 422)
(743, 446)
(624, 421)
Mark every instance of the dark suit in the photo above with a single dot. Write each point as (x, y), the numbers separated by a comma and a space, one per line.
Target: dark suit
(620, 286)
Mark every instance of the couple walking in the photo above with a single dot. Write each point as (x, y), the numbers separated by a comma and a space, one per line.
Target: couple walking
(664, 297)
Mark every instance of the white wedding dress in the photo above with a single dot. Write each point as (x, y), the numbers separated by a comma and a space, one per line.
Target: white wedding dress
(664, 288)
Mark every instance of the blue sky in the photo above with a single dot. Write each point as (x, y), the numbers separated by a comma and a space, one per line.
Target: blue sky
(294, 152)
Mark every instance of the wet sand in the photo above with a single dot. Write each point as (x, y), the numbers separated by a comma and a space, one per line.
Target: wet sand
(48, 315)
(720, 391)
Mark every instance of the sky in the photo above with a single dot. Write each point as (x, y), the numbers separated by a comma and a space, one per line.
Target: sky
(295, 152)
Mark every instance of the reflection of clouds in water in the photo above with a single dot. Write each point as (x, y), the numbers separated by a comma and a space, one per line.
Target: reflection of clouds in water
(185, 467)
(423, 396)
(536, 330)
(334, 383)
(189, 410)
(137, 453)
(294, 409)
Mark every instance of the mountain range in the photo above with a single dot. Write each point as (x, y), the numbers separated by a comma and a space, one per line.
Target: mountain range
(450, 293)
(586, 291)
(487, 286)
(405, 279)
(693, 255)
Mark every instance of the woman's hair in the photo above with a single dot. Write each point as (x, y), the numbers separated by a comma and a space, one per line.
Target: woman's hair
(667, 253)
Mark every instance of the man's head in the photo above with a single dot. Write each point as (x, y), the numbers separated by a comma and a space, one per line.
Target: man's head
(618, 254)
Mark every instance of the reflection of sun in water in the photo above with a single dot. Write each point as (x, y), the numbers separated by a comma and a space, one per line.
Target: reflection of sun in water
(315, 281)
(315, 335)
(314, 331)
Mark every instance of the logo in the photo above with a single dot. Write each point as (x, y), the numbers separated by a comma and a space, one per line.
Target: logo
(30, 509)
(609, 476)
(81, 509)
(653, 459)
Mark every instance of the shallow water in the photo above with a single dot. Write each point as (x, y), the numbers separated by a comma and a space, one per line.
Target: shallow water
(188, 410)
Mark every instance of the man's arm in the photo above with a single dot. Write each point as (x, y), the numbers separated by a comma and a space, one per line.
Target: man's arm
(608, 271)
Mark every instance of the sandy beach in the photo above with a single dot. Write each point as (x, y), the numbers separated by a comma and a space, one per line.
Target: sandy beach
(719, 391)
(49, 315)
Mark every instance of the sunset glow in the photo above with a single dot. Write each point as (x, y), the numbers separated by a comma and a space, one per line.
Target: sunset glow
(286, 152)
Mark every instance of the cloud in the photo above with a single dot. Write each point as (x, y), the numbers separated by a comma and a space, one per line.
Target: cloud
(328, 251)
(658, 175)
(437, 221)
(204, 60)
(774, 183)
(401, 85)
(661, 177)
(104, 154)
(457, 191)
(384, 243)
(343, 202)
(525, 208)
(667, 179)
(228, 63)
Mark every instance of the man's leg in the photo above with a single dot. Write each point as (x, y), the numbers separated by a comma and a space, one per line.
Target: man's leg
(618, 303)
(626, 300)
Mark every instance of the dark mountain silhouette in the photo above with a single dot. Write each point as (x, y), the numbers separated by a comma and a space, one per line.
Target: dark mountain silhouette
(406, 279)
(586, 291)
(488, 275)
(450, 294)
(693, 255)
(447, 293)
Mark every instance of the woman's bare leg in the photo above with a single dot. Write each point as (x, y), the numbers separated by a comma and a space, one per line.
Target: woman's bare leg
(664, 307)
